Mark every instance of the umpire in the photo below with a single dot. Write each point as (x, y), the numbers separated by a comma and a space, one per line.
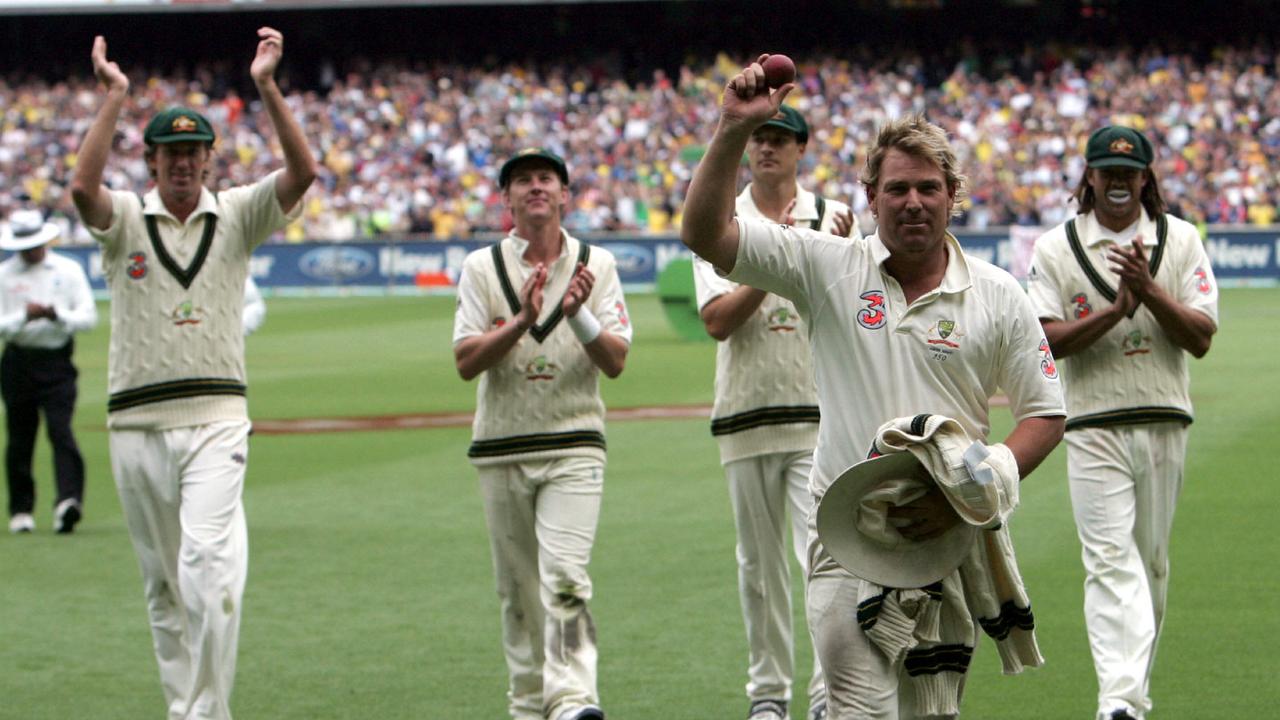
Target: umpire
(44, 300)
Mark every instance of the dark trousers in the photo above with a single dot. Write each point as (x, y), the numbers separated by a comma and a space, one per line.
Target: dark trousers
(32, 381)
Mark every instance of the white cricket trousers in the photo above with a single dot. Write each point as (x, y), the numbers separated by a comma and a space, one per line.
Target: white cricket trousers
(542, 519)
(1125, 482)
(180, 490)
(862, 684)
(764, 490)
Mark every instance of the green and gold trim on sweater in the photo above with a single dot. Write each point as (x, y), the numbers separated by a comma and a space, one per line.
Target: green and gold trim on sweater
(760, 417)
(173, 390)
(540, 442)
(1129, 416)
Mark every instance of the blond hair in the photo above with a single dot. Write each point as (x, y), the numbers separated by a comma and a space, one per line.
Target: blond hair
(914, 135)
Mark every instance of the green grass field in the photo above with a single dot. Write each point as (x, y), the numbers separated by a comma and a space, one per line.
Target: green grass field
(370, 592)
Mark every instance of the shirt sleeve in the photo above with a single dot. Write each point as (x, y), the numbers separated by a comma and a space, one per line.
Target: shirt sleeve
(74, 304)
(773, 258)
(472, 315)
(1199, 287)
(1042, 282)
(1027, 373)
(258, 209)
(707, 283)
(109, 237)
(12, 314)
(609, 305)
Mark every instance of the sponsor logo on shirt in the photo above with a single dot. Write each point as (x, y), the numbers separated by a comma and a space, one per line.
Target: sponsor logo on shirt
(540, 369)
(137, 267)
(1048, 367)
(1082, 306)
(621, 309)
(872, 317)
(1202, 281)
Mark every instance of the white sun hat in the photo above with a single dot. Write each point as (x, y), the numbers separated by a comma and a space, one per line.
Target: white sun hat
(854, 527)
(26, 229)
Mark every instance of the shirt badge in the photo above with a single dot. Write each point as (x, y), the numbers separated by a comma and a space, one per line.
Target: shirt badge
(187, 313)
(540, 369)
(1135, 343)
(782, 320)
(943, 339)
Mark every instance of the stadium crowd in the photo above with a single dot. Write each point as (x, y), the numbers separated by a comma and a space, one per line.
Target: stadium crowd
(416, 149)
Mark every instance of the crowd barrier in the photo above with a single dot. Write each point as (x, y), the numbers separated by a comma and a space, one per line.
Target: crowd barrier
(1239, 257)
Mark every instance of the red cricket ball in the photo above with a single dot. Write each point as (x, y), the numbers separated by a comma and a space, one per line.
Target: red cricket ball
(778, 70)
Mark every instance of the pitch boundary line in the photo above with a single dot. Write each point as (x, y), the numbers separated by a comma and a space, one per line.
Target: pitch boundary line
(426, 421)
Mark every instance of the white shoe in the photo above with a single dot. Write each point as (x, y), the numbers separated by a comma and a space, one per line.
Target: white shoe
(66, 515)
(22, 523)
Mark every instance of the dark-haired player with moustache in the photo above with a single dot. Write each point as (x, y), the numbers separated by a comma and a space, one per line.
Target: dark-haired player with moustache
(540, 315)
(766, 414)
(176, 260)
(1124, 292)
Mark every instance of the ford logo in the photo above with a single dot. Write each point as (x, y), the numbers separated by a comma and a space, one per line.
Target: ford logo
(633, 260)
(336, 264)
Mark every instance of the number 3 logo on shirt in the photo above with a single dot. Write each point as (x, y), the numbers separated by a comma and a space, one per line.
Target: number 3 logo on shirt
(872, 317)
(137, 268)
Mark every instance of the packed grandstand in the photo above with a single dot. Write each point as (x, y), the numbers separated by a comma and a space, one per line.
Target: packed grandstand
(414, 149)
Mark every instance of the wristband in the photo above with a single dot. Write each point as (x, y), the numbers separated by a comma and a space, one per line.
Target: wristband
(585, 326)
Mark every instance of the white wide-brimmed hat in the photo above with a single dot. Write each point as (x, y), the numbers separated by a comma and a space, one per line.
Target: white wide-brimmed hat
(854, 527)
(26, 229)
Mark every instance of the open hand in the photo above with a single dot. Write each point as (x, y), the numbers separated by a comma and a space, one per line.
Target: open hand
(531, 297)
(842, 223)
(270, 50)
(579, 290)
(107, 72)
(1132, 266)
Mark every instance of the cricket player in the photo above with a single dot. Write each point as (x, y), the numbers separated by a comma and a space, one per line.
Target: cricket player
(766, 414)
(901, 324)
(540, 315)
(1124, 292)
(176, 260)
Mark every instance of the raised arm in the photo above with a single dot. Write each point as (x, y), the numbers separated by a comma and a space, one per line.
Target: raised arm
(92, 200)
(708, 228)
(299, 164)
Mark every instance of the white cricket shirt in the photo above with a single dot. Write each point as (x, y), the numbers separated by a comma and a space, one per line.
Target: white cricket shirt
(1133, 373)
(876, 358)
